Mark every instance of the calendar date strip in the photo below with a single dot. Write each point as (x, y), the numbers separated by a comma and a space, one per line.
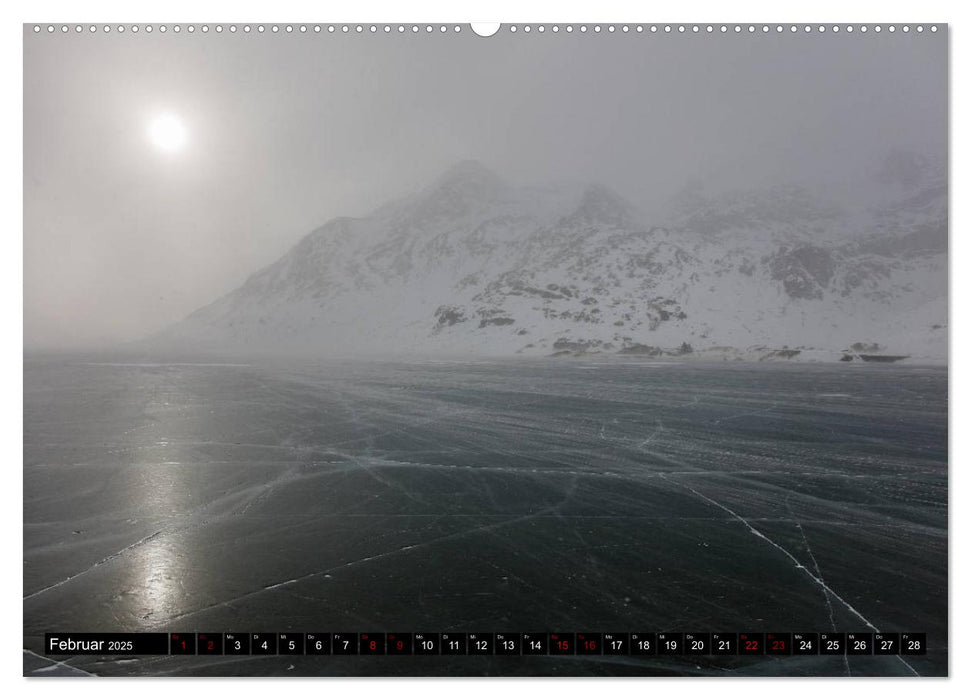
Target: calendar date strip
(486, 643)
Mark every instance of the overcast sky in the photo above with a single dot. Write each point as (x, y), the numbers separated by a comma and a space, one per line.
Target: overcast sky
(287, 131)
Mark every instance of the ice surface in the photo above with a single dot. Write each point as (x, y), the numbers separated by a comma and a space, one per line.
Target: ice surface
(599, 495)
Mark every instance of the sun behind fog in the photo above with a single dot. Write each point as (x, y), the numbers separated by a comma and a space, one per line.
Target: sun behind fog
(168, 133)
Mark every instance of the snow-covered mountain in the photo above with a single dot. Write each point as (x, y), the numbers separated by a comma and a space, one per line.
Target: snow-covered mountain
(473, 265)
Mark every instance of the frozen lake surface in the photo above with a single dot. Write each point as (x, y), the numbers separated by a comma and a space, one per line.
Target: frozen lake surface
(576, 495)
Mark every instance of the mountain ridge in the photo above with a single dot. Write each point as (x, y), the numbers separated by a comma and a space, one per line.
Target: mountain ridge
(473, 265)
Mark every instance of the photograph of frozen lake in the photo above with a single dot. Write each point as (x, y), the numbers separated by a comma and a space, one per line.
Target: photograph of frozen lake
(505, 495)
(637, 333)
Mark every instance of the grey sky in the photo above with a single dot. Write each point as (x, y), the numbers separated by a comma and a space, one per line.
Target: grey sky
(287, 131)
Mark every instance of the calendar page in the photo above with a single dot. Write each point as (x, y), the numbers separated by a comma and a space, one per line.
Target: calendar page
(546, 349)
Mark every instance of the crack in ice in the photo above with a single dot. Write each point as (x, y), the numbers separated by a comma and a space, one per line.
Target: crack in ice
(760, 535)
(144, 540)
(55, 665)
(364, 560)
(798, 564)
(819, 573)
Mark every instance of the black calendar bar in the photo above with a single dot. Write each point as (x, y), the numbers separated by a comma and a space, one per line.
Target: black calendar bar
(486, 643)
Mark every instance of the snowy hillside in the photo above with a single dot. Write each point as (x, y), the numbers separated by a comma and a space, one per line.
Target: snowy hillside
(474, 266)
